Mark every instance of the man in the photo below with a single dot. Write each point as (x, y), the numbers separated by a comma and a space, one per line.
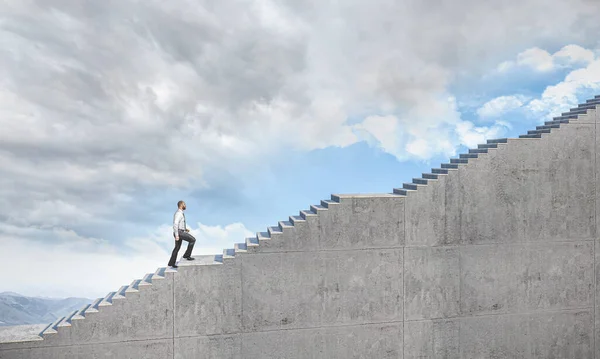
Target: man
(181, 232)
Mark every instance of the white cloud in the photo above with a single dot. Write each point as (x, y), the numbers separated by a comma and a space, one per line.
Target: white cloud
(471, 135)
(560, 97)
(542, 61)
(574, 54)
(500, 105)
(61, 263)
(438, 130)
(385, 129)
(213, 239)
(536, 58)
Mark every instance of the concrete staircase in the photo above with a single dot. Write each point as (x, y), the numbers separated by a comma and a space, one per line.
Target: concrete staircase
(290, 235)
(482, 149)
(88, 311)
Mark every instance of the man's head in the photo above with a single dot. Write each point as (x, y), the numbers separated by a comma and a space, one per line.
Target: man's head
(181, 205)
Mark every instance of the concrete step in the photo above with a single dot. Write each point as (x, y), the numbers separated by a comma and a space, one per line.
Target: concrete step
(285, 224)
(251, 242)
(240, 248)
(93, 308)
(263, 236)
(531, 136)
(317, 208)
(307, 214)
(200, 260)
(228, 253)
(463, 161)
(47, 328)
(52, 328)
(328, 203)
(410, 186)
(478, 150)
(296, 219)
(498, 140)
(547, 127)
(535, 132)
(578, 111)
(121, 292)
(274, 231)
(557, 123)
(134, 286)
(588, 106)
(430, 176)
(565, 117)
(146, 281)
(159, 274)
(67, 321)
(420, 181)
(107, 300)
(403, 191)
(468, 155)
(80, 314)
(442, 171)
(487, 145)
(450, 165)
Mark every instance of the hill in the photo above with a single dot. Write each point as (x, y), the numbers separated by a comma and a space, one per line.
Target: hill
(16, 309)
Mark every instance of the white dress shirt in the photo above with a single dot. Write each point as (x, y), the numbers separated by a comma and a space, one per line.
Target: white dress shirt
(179, 222)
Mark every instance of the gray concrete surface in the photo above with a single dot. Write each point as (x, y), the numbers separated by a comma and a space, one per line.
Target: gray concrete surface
(496, 259)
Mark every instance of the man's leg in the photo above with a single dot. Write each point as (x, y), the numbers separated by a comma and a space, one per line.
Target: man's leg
(191, 241)
(175, 251)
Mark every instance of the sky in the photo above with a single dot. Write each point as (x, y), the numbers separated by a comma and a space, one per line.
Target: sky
(112, 111)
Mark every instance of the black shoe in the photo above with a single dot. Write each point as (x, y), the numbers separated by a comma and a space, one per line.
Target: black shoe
(189, 258)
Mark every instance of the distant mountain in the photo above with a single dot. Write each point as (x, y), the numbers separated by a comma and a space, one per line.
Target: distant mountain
(16, 309)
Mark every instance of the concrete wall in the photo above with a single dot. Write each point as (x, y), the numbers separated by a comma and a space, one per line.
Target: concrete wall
(494, 260)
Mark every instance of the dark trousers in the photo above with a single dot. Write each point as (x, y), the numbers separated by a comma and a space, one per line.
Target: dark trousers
(183, 236)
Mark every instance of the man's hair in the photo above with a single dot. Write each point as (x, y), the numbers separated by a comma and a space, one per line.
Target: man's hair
(179, 204)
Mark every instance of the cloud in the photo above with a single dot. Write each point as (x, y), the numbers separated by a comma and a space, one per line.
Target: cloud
(564, 95)
(62, 263)
(582, 80)
(500, 105)
(542, 61)
(471, 135)
(439, 130)
(574, 54)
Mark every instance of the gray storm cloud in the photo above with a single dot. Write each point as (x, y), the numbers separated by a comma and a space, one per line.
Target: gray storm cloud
(136, 91)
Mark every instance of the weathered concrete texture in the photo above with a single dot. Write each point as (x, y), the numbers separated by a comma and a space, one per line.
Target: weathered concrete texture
(312, 289)
(531, 190)
(209, 347)
(208, 300)
(125, 321)
(366, 341)
(19, 333)
(524, 278)
(356, 223)
(143, 315)
(147, 349)
(542, 335)
(496, 259)
(432, 215)
(432, 283)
